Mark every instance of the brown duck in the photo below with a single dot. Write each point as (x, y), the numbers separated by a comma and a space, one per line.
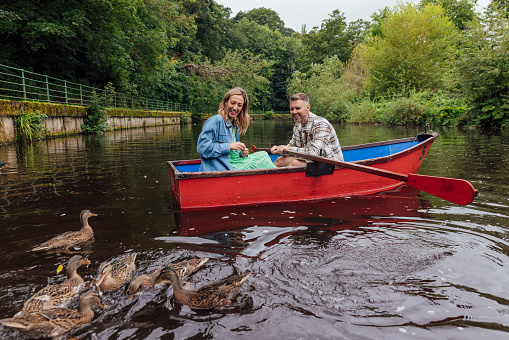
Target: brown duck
(56, 321)
(112, 276)
(217, 294)
(183, 269)
(70, 238)
(58, 295)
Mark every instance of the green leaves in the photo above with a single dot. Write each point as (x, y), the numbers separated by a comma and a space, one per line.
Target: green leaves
(30, 125)
(414, 50)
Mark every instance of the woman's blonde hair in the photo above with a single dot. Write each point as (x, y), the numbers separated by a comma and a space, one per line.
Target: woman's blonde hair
(242, 120)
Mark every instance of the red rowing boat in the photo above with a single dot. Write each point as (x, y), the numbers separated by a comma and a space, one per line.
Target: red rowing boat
(367, 169)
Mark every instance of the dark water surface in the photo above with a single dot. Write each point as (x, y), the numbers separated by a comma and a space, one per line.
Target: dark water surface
(397, 265)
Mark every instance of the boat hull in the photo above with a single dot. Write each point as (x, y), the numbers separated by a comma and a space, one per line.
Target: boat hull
(200, 190)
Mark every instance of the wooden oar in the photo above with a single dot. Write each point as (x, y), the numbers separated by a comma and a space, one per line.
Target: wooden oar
(453, 190)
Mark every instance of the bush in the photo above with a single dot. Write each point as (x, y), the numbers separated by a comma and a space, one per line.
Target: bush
(184, 117)
(197, 118)
(362, 112)
(269, 115)
(31, 125)
(96, 120)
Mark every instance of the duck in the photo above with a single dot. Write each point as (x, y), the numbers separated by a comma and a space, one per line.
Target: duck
(58, 295)
(216, 294)
(113, 276)
(183, 269)
(57, 321)
(70, 238)
(1, 165)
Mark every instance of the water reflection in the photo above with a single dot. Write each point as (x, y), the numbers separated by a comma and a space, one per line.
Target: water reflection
(249, 231)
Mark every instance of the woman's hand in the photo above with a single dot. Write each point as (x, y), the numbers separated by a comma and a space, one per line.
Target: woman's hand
(245, 152)
(237, 146)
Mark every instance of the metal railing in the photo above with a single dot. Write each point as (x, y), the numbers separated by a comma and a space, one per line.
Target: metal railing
(19, 84)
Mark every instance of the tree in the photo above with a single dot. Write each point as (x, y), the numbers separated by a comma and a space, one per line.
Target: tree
(414, 51)
(212, 21)
(209, 82)
(461, 12)
(335, 37)
(484, 69)
(323, 86)
(500, 6)
(261, 40)
(266, 17)
(125, 42)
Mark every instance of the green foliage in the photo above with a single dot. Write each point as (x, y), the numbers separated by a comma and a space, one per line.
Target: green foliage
(96, 120)
(417, 108)
(126, 42)
(414, 51)
(208, 83)
(483, 70)
(197, 117)
(31, 125)
(264, 17)
(210, 24)
(461, 12)
(269, 115)
(184, 117)
(334, 37)
(329, 96)
(500, 6)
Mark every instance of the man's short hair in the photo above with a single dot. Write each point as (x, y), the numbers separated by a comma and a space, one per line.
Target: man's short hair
(300, 96)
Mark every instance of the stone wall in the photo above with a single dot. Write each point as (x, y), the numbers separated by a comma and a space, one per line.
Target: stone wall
(66, 120)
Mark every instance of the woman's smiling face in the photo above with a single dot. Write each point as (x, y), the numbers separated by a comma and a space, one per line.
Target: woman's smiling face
(234, 106)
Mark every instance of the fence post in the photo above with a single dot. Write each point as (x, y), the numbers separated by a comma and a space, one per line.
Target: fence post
(81, 96)
(24, 85)
(47, 90)
(65, 89)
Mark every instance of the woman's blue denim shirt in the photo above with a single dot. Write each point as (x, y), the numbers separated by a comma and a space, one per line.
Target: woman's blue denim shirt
(214, 144)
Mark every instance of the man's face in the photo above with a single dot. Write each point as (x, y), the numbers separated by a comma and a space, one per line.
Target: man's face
(234, 106)
(299, 110)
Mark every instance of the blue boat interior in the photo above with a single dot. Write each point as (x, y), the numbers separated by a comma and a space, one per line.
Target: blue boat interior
(349, 155)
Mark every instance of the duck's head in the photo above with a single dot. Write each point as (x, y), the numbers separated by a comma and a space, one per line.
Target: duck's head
(76, 261)
(85, 214)
(166, 274)
(92, 298)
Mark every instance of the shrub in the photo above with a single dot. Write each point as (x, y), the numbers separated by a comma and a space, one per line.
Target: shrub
(184, 117)
(31, 125)
(268, 115)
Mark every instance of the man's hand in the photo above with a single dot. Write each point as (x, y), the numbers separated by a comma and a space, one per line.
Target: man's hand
(278, 149)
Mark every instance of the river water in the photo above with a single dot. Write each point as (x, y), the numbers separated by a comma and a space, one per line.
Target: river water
(395, 265)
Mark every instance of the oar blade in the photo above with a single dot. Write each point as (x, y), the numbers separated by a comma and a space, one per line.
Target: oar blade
(454, 190)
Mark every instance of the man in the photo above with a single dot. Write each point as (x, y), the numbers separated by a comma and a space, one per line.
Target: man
(312, 134)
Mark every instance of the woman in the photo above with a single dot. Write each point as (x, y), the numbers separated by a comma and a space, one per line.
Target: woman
(219, 143)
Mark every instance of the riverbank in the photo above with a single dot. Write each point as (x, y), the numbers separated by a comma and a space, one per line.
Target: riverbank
(65, 120)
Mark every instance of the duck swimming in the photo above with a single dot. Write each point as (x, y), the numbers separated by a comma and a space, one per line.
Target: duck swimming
(112, 276)
(217, 294)
(56, 321)
(70, 238)
(183, 269)
(59, 295)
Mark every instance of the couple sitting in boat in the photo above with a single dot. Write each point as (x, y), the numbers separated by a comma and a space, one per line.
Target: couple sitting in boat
(220, 147)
